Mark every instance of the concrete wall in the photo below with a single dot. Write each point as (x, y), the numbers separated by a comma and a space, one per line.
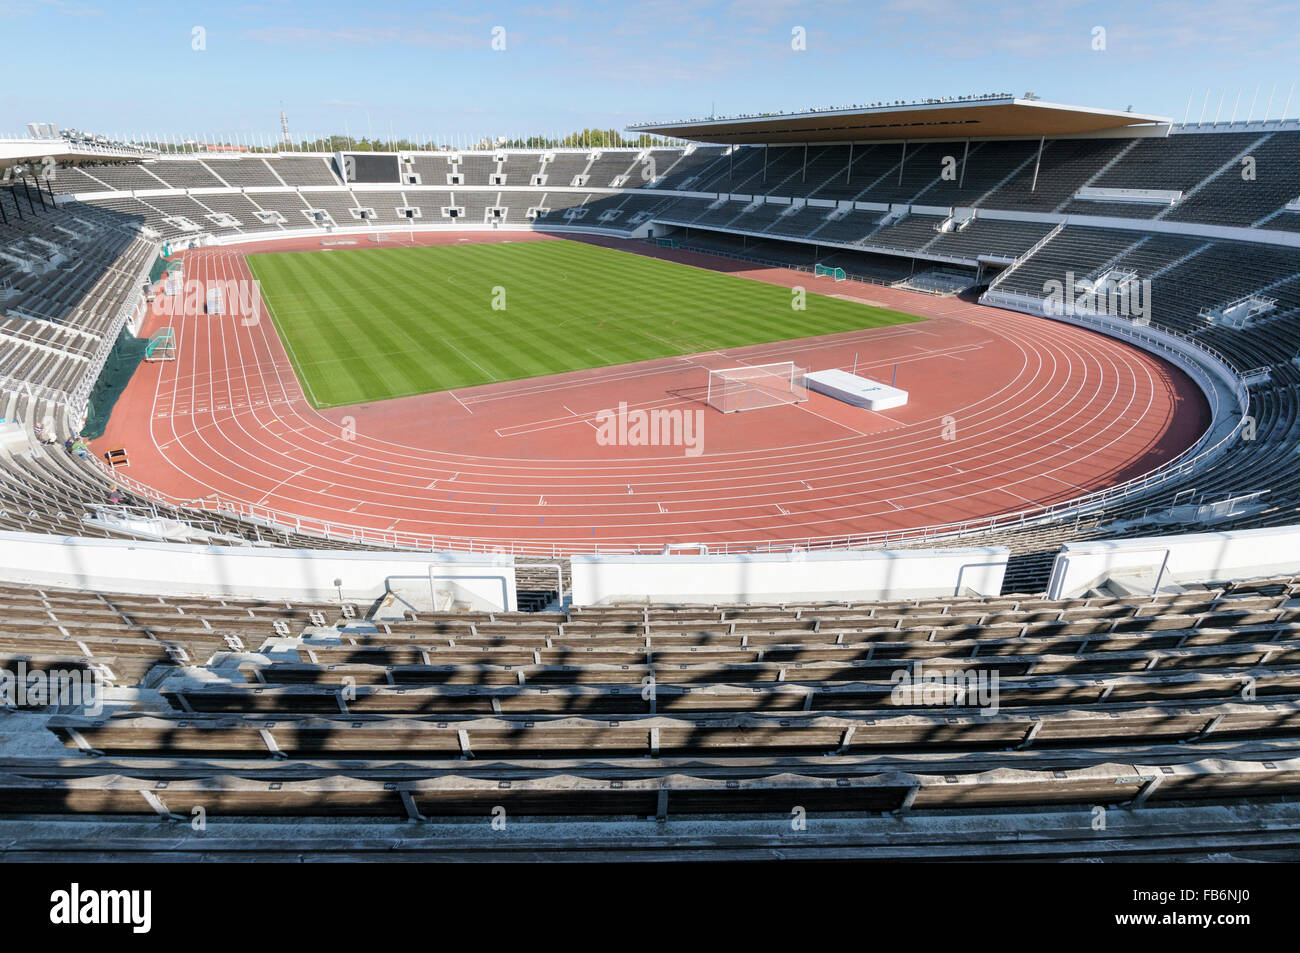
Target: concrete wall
(1192, 558)
(171, 569)
(788, 577)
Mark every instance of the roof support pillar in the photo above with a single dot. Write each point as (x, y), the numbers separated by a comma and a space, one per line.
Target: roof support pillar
(1038, 161)
(848, 169)
(902, 163)
(805, 163)
(966, 152)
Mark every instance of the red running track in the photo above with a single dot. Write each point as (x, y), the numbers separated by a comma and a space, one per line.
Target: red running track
(1039, 413)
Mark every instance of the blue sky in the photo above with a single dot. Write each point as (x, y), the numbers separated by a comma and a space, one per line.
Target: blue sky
(430, 68)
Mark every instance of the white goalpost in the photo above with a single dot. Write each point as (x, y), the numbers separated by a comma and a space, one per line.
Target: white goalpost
(761, 385)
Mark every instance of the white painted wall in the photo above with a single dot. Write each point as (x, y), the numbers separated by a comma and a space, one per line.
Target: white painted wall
(788, 577)
(487, 582)
(1193, 558)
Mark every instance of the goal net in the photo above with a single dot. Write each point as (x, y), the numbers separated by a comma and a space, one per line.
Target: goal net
(826, 271)
(751, 388)
(162, 346)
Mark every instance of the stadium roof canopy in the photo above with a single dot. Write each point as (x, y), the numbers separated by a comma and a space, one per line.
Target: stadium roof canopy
(1002, 116)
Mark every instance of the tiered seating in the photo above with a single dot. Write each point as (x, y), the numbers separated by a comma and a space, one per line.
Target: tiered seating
(860, 265)
(825, 165)
(1010, 175)
(519, 168)
(708, 714)
(911, 234)
(1077, 250)
(102, 629)
(71, 180)
(871, 163)
(656, 165)
(612, 164)
(292, 205)
(780, 172)
(1172, 163)
(432, 169)
(1222, 273)
(339, 205)
(185, 174)
(124, 176)
(1066, 166)
(990, 237)
(242, 208)
(476, 167)
(181, 206)
(987, 166)
(1188, 274)
(1231, 199)
(564, 166)
(240, 173)
(690, 171)
(305, 170)
(805, 222)
(856, 227)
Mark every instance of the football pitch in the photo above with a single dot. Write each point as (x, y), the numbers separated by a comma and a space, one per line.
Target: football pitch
(370, 324)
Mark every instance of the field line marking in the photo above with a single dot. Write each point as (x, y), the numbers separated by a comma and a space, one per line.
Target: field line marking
(284, 335)
(491, 377)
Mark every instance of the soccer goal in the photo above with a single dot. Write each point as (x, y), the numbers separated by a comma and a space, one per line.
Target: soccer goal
(162, 346)
(752, 388)
(826, 271)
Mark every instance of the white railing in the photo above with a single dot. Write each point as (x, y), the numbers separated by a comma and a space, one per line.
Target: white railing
(1029, 253)
(79, 398)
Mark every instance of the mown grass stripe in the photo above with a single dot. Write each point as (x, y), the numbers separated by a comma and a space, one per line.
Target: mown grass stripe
(368, 324)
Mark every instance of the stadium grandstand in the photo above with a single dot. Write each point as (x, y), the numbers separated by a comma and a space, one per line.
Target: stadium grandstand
(1062, 579)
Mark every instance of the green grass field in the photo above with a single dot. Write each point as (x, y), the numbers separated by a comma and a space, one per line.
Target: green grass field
(374, 323)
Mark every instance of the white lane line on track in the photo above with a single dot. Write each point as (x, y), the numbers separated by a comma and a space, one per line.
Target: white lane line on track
(555, 423)
(1072, 417)
(459, 401)
(828, 420)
